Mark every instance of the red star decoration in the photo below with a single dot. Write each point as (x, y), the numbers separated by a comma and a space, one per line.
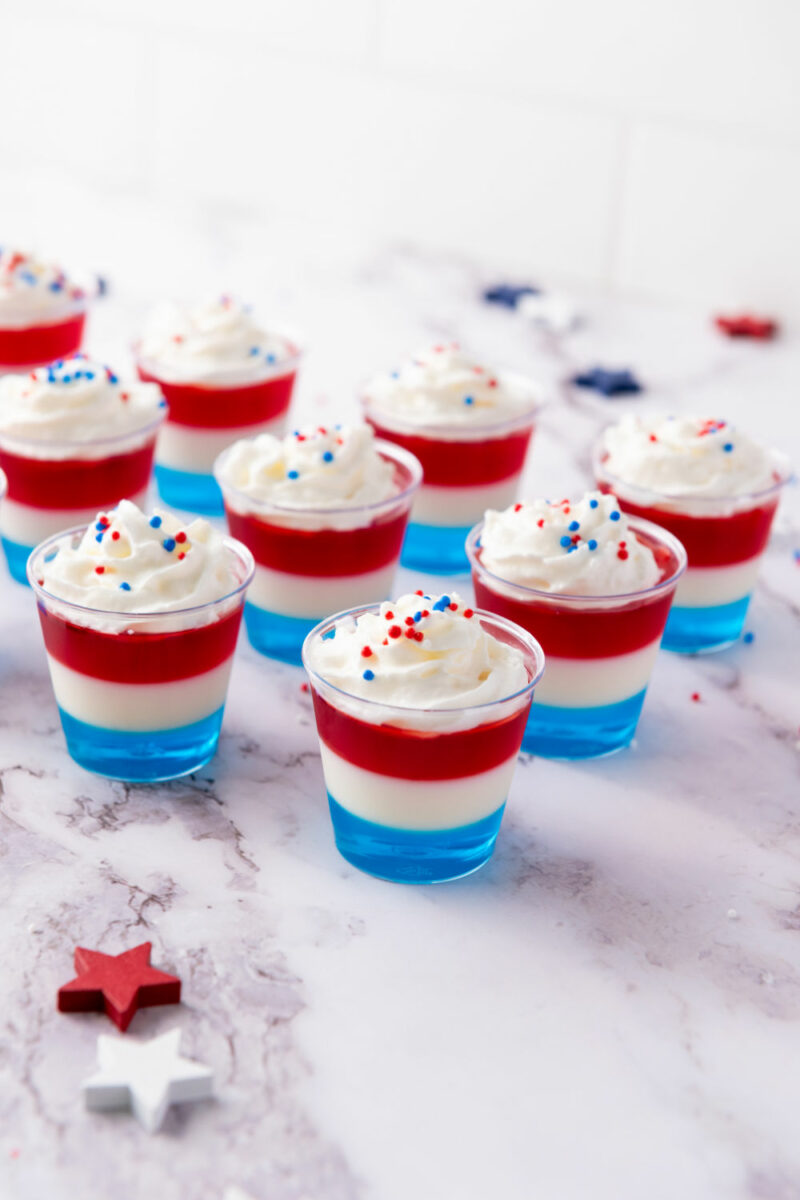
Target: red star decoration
(117, 984)
(747, 326)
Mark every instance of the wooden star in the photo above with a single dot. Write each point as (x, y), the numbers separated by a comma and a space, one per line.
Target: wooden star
(117, 984)
(146, 1077)
(747, 326)
(609, 383)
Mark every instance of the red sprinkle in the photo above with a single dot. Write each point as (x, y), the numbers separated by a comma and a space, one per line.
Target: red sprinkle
(696, 697)
(468, 612)
(180, 537)
(540, 522)
(653, 437)
(492, 383)
(623, 554)
(419, 592)
(517, 507)
(395, 631)
(124, 396)
(115, 536)
(418, 635)
(303, 687)
(181, 555)
(622, 545)
(321, 429)
(452, 607)
(99, 570)
(389, 616)
(366, 652)
(425, 613)
(576, 537)
(385, 642)
(411, 633)
(409, 620)
(177, 338)
(301, 437)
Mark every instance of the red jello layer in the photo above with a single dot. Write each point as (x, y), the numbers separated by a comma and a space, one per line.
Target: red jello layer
(460, 464)
(140, 657)
(711, 541)
(568, 631)
(41, 343)
(225, 407)
(78, 482)
(411, 754)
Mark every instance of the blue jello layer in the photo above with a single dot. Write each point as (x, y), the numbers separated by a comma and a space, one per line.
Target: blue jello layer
(699, 630)
(16, 557)
(555, 732)
(189, 489)
(275, 635)
(411, 856)
(142, 757)
(437, 549)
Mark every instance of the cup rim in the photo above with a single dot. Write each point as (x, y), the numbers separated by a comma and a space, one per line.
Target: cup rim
(636, 524)
(277, 370)
(386, 449)
(511, 627)
(9, 441)
(76, 306)
(231, 544)
(619, 486)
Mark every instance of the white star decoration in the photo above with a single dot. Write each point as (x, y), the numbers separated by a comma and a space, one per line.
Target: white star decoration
(146, 1077)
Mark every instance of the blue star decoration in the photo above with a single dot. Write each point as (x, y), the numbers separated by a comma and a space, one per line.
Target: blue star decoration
(609, 383)
(509, 294)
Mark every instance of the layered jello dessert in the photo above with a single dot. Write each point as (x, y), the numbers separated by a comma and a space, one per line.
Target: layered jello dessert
(470, 427)
(717, 491)
(225, 377)
(421, 704)
(594, 587)
(323, 512)
(42, 313)
(140, 615)
(73, 438)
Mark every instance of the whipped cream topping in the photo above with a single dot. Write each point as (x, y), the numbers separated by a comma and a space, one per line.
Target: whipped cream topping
(442, 386)
(32, 290)
(577, 547)
(686, 457)
(218, 340)
(75, 400)
(420, 652)
(314, 467)
(130, 562)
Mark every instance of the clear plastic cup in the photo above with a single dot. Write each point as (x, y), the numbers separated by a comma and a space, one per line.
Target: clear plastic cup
(417, 795)
(140, 695)
(24, 346)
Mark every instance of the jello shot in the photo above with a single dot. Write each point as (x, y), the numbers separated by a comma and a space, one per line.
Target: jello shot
(594, 587)
(470, 427)
(73, 438)
(225, 377)
(42, 313)
(323, 512)
(717, 491)
(421, 706)
(140, 616)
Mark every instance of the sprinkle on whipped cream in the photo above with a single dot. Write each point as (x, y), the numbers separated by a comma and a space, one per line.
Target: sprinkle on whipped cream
(442, 385)
(31, 289)
(130, 562)
(75, 400)
(314, 467)
(687, 456)
(581, 547)
(420, 651)
(217, 340)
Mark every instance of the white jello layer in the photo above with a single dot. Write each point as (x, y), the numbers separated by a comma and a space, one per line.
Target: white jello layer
(139, 707)
(415, 803)
(187, 448)
(29, 525)
(591, 682)
(466, 505)
(316, 596)
(705, 587)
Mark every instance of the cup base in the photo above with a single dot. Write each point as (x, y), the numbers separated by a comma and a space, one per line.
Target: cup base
(275, 635)
(189, 490)
(17, 558)
(436, 549)
(704, 630)
(142, 757)
(573, 733)
(413, 856)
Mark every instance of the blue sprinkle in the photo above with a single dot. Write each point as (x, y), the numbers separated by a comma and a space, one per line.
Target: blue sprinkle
(566, 541)
(126, 587)
(441, 604)
(168, 544)
(728, 447)
(292, 474)
(60, 363)
(254, 350)
(574, 526)
(614, 516)
(155, 522)
(66, 379)
(162, 404)
(100, 525)
(56, 286)
(748, 637)
(469, 399)
(417, 616)
(271, 358)
(327, 456)
(592, 544)
(592, 504)
(112, 377)
(330, 633)
(368, 675)
(99, 537)
(88, 374)
(27, 277)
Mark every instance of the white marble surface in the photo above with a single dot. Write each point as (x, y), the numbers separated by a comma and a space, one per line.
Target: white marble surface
(610, 1009)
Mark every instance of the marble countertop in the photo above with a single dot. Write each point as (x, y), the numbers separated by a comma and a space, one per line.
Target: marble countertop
(611, 1008)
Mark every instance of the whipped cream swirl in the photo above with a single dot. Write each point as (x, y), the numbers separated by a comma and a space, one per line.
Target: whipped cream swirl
(419, 652)
(75, 401)
(442, 386)
(130, 562)
(314, 467)
(32, 291)
(576, 547)
(218, 340)
(689, 457)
